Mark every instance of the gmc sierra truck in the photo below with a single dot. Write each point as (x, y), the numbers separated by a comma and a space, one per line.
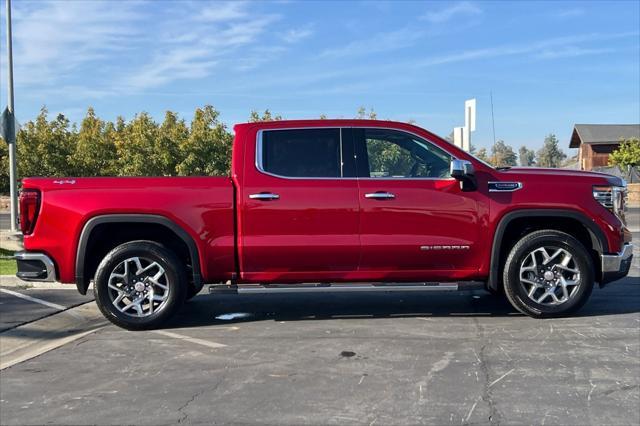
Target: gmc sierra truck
(329, 205)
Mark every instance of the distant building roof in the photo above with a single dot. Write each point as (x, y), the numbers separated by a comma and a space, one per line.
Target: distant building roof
(602, 133)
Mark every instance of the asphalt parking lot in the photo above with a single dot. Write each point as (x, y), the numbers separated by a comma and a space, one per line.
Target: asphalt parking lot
(373, 359)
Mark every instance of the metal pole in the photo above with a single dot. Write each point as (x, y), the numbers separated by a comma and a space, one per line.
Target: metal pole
(11, 137)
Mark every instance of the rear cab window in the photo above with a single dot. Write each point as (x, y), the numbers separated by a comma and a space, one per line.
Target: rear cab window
(304, 153)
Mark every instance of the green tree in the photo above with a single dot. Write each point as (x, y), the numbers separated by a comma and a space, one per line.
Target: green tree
(527, 156)
(136, 148)
(550, 155)
(627, 154)
(207, 151)
(502, 155)
(482, 155)
(362, 114)
(388, 158)
(95, 149)
(255, 117)
(45, 148)
(173, 134)
(4, 166)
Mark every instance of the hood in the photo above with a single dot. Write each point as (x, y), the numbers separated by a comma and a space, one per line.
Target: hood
(562, 173)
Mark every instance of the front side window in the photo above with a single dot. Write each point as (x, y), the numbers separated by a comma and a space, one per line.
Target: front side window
(396, 154)
(304, 153)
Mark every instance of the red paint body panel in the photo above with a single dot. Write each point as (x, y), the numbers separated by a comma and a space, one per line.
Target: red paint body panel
(319, 229)
(202, 206)
(423, 213)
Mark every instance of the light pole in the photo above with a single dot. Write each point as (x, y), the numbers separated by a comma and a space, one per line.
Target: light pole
(11, 133)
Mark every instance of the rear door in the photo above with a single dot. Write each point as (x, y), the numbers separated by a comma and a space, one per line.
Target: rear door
(299, 204)
(416, 223)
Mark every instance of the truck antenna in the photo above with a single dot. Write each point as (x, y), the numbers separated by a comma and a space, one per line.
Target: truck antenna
(493, 121)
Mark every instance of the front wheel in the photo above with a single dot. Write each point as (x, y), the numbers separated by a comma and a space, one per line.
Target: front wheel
(139, 285)
(547, 274)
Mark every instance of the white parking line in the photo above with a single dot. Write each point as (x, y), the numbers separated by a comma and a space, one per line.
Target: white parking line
(40, 301)
(190, 339)
(44, 348)
(35, 338)
(34, 299)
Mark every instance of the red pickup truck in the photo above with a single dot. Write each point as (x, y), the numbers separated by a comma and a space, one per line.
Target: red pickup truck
(329, 205)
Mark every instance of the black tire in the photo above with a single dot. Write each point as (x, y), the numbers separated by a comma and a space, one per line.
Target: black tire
(174, 279)
(515, 289)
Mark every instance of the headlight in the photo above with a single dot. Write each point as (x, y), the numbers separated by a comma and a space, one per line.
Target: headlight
(612, 198)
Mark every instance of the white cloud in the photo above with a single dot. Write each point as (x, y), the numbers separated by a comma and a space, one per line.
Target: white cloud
(92, 49)
(199, 41)
(53, 39)
(222, 11)
(381, 42)
(569, 13)
(571, 52)
(559, 46)
(446, 14)
(294, 35)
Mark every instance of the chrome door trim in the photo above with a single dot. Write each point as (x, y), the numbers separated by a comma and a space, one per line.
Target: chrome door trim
(264, 196)
(380, 195)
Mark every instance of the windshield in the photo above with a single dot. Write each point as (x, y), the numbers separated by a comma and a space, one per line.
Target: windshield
(481, 160)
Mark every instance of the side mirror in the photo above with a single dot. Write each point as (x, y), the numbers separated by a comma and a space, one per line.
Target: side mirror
(463, 171)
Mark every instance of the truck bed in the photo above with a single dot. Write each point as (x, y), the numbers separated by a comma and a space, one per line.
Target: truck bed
(202, 206)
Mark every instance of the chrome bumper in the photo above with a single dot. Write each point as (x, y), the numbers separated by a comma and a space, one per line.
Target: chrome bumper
(35, 267)
(615, 266)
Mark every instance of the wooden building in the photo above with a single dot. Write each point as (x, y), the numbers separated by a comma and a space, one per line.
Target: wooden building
(596, 141)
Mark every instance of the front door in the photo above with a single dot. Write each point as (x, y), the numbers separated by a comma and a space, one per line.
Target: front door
(415, 222)
(299, 207)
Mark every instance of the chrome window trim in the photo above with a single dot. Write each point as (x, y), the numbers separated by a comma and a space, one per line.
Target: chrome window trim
(258, 158)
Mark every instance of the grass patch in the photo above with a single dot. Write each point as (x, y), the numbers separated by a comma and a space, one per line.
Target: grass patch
(7, 266)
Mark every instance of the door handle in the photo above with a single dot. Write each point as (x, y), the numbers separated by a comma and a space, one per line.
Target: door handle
(380, 195)
(264, 196)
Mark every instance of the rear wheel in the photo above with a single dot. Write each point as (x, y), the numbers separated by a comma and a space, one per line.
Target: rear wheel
(139, 285)
(548, 273)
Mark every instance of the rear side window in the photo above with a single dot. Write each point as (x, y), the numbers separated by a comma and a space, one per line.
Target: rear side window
(301, 153)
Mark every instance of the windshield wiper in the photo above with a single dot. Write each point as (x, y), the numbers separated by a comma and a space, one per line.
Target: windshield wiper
(503, 168)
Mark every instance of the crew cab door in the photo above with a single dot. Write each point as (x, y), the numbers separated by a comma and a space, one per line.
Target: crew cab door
(415, 221)
(299, 207)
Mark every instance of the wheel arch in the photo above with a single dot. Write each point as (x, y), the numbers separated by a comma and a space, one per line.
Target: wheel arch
(591, 235)
(84, 242)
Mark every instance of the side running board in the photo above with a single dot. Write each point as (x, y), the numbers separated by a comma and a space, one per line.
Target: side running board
(343, 287)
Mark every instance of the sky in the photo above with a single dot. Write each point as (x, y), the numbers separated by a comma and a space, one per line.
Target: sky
(547, 64)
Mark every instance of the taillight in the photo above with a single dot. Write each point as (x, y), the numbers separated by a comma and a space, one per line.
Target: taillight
(29, 206)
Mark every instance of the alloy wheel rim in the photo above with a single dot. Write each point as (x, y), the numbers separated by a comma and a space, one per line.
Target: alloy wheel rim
(138, 287)
(550, 275)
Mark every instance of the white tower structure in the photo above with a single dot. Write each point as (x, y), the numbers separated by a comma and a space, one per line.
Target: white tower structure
(462, 135)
